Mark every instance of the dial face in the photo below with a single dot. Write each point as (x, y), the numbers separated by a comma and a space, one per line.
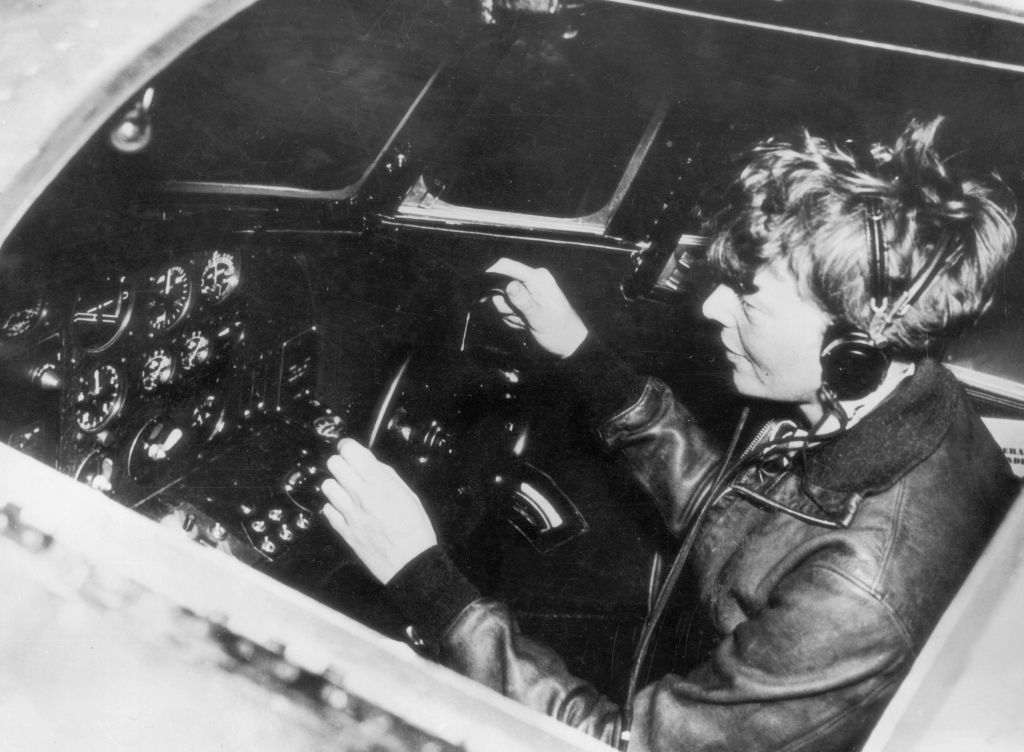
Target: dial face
(207, 418)
(97, 470)
(101, 314)
(21, 320)
(157, 369)
(99, 397)
(221, 277)
(159, 442)
(170, 298)
(196, 350)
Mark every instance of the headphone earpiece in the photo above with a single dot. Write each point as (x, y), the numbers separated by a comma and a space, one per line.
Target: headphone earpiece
(852, 365)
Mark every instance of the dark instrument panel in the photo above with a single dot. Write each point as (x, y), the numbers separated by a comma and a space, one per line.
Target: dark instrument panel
(182, 385)
(148, 356)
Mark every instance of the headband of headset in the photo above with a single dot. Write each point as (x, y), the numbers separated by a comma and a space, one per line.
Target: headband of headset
(853, 362)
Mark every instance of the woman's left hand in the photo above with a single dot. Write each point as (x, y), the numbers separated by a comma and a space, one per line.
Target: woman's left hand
(373, 509)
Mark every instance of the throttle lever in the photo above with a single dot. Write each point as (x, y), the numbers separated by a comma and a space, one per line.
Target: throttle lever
(484, 285)
(485, 330)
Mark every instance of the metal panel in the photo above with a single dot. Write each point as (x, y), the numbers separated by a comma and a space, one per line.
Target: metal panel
(67, 65)
(120, 633)
(964, 690)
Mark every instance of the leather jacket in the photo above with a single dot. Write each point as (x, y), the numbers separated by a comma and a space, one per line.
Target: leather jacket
(823, 580)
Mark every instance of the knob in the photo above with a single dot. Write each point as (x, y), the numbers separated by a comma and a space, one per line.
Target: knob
(188, 524)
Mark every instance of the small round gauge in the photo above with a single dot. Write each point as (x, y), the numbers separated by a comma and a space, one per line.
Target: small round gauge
(196, 350)
(98, 471)
(159, 442)
(99, 397)
(170, 298)
(207, 419)
(22, 319)
(221, 277)
(158, 369)
(101, 314)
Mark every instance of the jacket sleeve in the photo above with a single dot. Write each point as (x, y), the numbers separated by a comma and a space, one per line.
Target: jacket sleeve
(479, 638)
(668, 454)
(808, 671)
(812, 670)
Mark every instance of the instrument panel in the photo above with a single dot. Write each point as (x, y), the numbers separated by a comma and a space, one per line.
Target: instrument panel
(154, 346)
(168, 374)
(150, 335)
(103, 311)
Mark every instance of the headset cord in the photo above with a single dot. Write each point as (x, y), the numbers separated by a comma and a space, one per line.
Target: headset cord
(713, 492)
(707, 500)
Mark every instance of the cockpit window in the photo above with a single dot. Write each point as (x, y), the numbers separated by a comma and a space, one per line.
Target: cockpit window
(553, 127)
(296, 93)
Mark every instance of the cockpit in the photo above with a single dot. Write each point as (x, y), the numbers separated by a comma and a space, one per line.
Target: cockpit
(278, 240)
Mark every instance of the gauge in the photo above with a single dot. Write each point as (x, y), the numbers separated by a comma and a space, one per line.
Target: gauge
(170, 297)
(29, 440)
(221, 277)
(159, 442)
(157, 369)
(207, 418)
(97, 470)
(101, 314)
(21, 320)
(196, 350)
(99, 397)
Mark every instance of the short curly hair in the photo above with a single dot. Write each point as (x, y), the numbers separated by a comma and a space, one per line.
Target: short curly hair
(805, 203)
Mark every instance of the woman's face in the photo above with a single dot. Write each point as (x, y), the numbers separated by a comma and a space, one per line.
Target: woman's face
(772, 338)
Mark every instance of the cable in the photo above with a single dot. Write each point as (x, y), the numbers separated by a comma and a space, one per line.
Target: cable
(726, 472)
(708, 497)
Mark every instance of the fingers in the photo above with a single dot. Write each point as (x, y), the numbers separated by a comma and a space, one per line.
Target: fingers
(525, 293)
(513, 269)
(536, 281)
(360, 480)
(354, 469)
(355, 460)
(335, 518)
(338, 511)
(501, 304)
(541, 306)
(374, 511)
(520, 296)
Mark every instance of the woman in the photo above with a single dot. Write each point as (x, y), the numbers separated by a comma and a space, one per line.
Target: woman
(824, 557)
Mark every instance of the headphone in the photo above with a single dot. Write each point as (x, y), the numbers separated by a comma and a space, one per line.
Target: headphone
(852, 363)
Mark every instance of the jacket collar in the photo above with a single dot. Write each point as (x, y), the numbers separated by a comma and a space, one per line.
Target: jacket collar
(881, 448)
(892, 439)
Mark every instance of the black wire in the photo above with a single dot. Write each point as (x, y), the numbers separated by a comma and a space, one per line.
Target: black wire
(709, 496)
(727, 471)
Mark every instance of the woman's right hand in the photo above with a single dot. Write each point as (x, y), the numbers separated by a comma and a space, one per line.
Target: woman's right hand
(534, 301)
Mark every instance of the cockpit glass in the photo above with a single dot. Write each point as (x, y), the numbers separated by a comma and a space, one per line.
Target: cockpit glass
(295, 93)
(555, 123)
